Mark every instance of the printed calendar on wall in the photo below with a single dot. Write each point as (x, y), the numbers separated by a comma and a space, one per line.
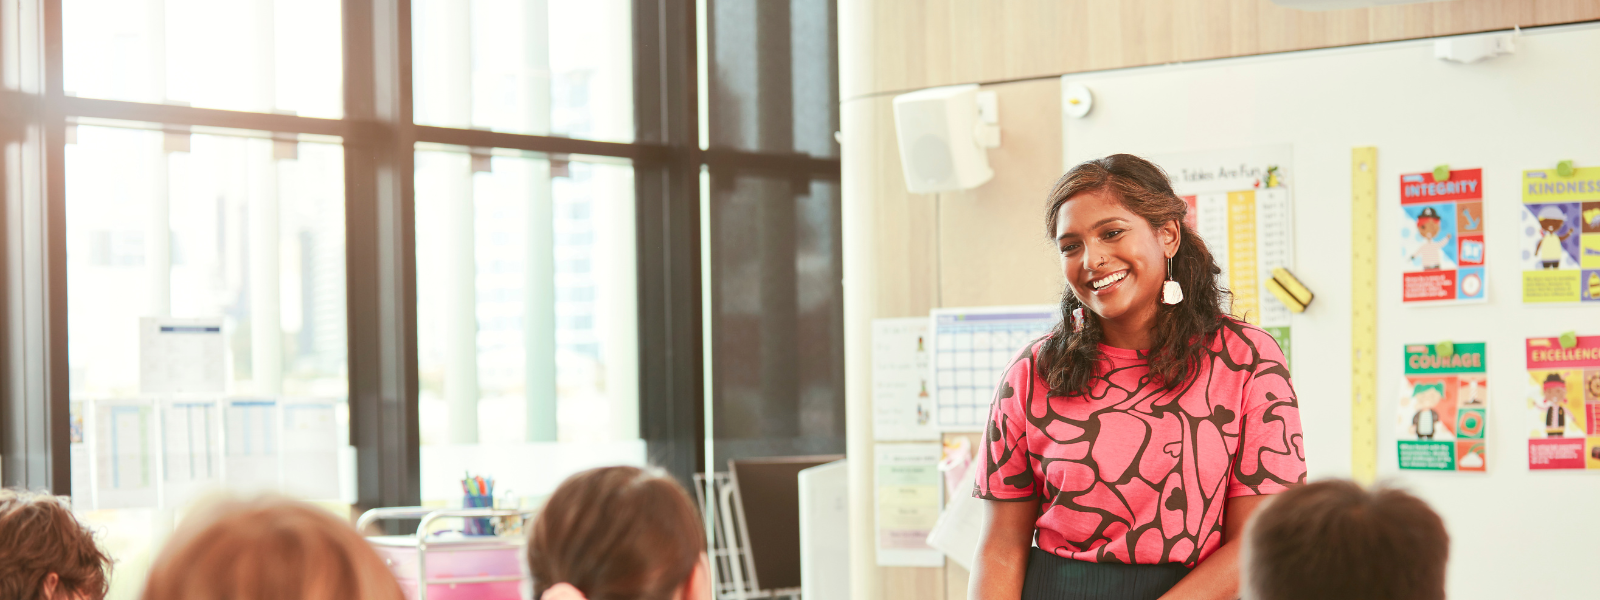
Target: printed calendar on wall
(972, 348)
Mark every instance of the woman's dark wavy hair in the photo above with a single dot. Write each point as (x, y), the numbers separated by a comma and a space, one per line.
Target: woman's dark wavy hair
(1067, 358)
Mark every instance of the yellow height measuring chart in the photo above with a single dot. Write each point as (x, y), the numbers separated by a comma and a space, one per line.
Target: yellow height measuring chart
(1364, 314)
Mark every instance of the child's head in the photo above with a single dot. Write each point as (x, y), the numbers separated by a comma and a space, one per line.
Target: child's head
(45, 552)
(1428, 222)
(620, 533)
(268, 548)
(1551, 219)
(1332, 540)
(1555, 389)
(1428, 395)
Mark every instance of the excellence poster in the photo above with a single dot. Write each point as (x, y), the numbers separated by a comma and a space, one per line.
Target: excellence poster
(1560, 232)
(1441, 238)
(1564, 404)
(1444, 408)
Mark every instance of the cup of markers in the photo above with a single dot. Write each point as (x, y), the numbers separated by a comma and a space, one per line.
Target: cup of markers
(478, 493)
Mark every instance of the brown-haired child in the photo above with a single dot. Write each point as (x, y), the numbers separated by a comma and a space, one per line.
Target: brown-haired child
(45, 553)
(617, 533)
(265, 549)
(1334, 540)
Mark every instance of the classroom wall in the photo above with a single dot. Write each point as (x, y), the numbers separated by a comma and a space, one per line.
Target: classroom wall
(905, 254)
(914, 44)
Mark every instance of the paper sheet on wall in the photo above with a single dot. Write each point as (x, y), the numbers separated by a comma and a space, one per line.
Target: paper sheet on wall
(972, 348)
(1560, 232)
(311, 450)
(1240, 204)
(902, 401)
(181, 356)
(906, 491)
(1441, 238)
(1563, 392)
(191, 457)
(124, 447)
(956, 532)
(251, 455)
(1444, 408)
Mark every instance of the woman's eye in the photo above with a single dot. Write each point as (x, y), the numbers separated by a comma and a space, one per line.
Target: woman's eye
(1113, 233)
(1068, 248)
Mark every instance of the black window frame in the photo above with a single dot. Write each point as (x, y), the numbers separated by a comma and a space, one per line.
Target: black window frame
(379, 137)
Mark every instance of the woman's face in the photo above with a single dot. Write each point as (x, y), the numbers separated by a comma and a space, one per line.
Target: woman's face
(1113, 259)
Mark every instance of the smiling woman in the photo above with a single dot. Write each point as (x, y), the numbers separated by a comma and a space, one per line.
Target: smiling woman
(1133, 442)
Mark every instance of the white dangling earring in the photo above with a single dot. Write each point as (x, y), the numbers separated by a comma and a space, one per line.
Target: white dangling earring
(1171, 292)
(1077, 319)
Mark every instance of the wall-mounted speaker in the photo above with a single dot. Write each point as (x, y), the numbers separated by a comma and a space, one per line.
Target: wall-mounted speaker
(944, 134)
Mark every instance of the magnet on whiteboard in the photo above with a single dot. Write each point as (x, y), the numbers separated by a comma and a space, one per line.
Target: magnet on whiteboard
(1564, 168)
(1441, 173)
(1076, 100)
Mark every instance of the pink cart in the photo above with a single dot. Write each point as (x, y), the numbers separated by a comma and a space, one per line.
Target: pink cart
(435, 567)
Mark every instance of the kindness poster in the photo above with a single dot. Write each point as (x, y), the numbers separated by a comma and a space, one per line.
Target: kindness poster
(1564, 404)
(1444, 408)
(1441, 238)
(1560, 233)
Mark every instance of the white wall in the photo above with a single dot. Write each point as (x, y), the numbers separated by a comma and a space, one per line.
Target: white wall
(1515, 533)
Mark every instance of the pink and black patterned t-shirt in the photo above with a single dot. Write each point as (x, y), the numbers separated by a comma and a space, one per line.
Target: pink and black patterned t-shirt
(1130, 474)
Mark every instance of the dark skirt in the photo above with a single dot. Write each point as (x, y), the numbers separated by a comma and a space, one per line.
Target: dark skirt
(1051, 577)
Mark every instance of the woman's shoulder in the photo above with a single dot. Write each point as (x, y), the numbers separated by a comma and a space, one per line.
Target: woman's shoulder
(1026, 359)
(1246, 342)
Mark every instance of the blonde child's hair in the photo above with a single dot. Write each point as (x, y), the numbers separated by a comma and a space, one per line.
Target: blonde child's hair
(265, 549)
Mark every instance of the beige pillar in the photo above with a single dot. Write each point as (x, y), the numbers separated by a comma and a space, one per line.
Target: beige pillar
(860, 296)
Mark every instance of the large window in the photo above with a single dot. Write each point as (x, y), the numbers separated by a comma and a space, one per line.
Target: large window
(346, 250)
(252, 55)
(206, 326)
(527, 313)
(775, 263)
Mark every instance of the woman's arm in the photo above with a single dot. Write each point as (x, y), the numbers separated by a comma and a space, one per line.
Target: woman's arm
(1003, 546)
(1217, 577)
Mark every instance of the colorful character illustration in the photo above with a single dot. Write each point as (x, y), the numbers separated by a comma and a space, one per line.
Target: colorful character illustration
(1425, 397)
(1273, 178)
(1549, 249)
(1472, 396)
(1592, 386)
(1554, 404)
(1429, 252)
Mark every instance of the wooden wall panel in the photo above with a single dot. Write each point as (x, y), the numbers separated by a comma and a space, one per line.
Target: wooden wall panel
(991, 242)
(924, 43)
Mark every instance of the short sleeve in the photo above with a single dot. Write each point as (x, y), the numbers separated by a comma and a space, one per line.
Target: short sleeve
(1271, 446)
(1005, 469)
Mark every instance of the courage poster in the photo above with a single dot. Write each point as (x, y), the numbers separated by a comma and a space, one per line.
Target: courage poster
(1560, 233)
(1444, 408)
(1564, 403)
(1441, 237)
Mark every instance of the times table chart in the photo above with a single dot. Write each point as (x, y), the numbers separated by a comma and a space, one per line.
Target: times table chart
(972, 348)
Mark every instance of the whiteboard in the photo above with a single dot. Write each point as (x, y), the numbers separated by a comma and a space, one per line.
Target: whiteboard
(1514, 533)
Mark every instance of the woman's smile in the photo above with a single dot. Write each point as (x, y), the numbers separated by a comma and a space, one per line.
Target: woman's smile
(1105, 285)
